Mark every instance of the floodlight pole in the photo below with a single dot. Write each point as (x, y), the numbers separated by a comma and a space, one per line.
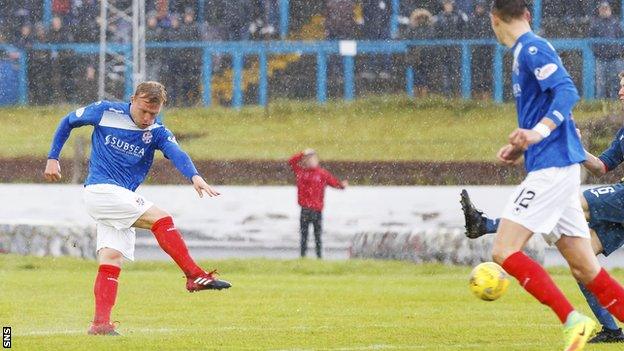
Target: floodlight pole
(113, 57)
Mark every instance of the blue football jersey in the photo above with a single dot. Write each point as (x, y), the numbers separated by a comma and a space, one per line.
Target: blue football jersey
(121, 152)
(537, 72)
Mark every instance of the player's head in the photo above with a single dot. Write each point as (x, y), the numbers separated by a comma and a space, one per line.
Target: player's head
(506, 16)
(147, 101)
(310, 159)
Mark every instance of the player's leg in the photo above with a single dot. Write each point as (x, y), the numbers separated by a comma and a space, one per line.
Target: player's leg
(508, 244)
(105, 291)
(304, 228)
(477, 223)
(171, 241)
(317, 223)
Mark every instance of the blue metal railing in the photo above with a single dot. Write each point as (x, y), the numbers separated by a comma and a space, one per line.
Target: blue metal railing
(240, 51)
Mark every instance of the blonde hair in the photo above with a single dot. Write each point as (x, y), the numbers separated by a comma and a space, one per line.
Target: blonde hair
(420, 16)
(154, 92)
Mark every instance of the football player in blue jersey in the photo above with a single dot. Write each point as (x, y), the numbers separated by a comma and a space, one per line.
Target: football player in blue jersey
(547, 201)
(604, 210)
(125, 137)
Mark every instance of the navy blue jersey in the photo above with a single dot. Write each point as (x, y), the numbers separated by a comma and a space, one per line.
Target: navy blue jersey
(614, 155)
(121, 152)
(543, 88)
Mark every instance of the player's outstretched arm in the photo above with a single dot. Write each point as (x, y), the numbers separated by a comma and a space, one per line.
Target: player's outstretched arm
(202, 187)
(594, 165)
(608, 160)
(52, 171)
(89, 115)
(182, 161)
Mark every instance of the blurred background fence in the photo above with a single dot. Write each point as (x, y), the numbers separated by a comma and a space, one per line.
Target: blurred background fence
(239, 52)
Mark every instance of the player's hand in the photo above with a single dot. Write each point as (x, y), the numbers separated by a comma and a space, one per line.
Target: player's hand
(510, 154)
(523, 138)
(344, 183)
(52, 171)
(202, 187)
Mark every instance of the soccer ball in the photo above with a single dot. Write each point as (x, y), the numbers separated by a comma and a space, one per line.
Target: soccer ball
(488, 281)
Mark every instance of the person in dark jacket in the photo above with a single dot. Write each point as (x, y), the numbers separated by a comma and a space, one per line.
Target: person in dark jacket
(312, 180)
(609, 60)
(419, 58)
(377, 14)
(61, 63)
(482, 56)
(450, 24)
(39, 69)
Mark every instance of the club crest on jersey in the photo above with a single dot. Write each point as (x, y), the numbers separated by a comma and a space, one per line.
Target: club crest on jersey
(140, 201)
(546, 71)
(80, 112)
(124, 146)
(147, 137)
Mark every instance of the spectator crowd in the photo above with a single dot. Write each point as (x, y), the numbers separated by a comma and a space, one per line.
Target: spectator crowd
(65, 76)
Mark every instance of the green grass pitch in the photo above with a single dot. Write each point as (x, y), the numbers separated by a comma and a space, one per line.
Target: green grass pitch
(389, 128)
(275, 305)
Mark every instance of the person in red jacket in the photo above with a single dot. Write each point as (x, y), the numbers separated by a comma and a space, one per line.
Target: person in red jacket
(311, 182)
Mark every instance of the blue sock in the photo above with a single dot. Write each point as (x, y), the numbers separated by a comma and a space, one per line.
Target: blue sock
(605, 318)
(491, 225)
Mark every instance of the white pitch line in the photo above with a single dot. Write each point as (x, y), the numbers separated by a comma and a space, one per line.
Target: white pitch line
(410, 347)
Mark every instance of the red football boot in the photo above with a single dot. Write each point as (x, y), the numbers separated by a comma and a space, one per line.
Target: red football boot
(206, 281)
(103, 329)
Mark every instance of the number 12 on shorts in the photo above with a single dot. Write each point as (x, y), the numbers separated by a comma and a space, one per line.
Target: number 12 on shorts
(524, 198)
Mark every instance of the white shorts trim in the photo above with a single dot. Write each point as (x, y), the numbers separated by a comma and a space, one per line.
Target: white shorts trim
(548, 202)
(115, 209)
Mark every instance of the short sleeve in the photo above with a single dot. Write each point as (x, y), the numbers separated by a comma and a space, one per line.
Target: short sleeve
(87, 115)
(613, 157)
(545, 64)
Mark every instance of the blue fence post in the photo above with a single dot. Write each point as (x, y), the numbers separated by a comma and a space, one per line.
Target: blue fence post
(622, 12)
(409, 81)
(128, 76)
(237, 79)
(284, 16)
(349, 77)
(23, 78)
(321, 77)
(207, 77)
(589, 73)
(466, 77)
(47, 12)
(537, 15)
(263, 83)
(394, 20)
(498, 73)
(201, 11)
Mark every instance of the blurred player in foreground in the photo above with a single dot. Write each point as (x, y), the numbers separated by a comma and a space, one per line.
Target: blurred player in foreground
(312, 180)
(604, 210)
(547, 200)
(125, 137)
